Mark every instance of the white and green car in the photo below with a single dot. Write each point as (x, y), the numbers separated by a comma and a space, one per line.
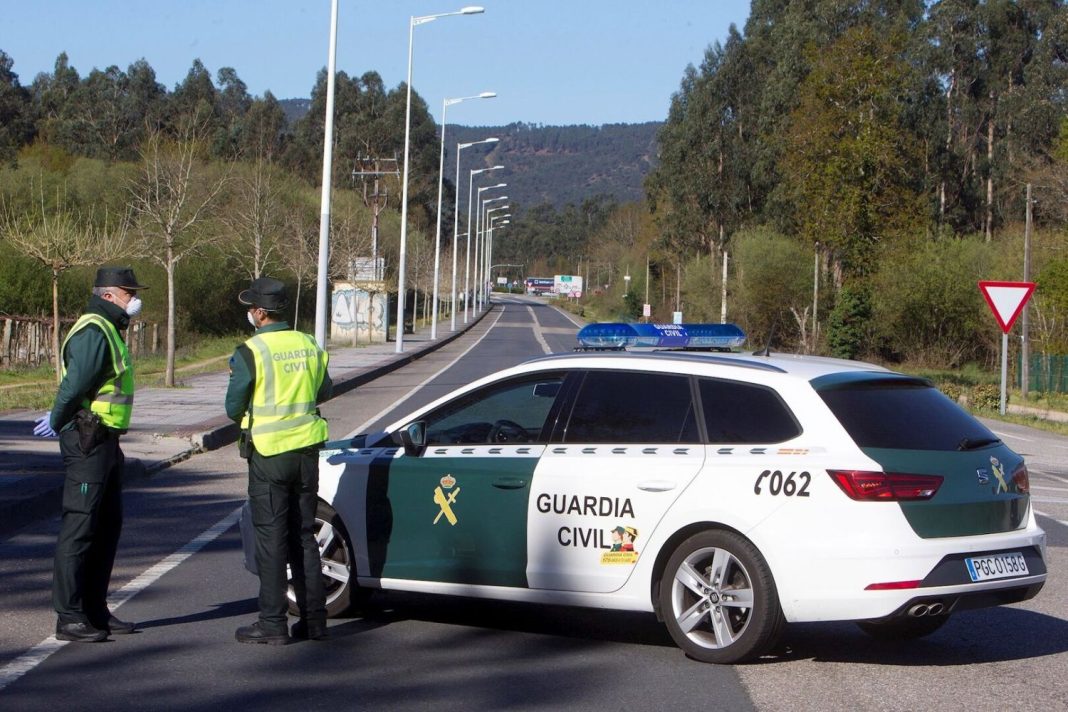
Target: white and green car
(729, 494)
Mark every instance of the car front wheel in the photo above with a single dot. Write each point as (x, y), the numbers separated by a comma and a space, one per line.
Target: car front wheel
(718, 599)
(335, 552)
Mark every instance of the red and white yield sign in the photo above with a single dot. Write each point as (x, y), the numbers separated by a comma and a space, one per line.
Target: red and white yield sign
(1006, 300)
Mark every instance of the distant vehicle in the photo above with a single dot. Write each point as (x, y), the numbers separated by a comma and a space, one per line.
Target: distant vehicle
(540, 285)
(730, 494)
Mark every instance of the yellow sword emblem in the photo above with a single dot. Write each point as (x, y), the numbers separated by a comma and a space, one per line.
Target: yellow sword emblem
(446, 504)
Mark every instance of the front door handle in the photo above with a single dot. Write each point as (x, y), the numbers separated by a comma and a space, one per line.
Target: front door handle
(657, 485)
(509, 483)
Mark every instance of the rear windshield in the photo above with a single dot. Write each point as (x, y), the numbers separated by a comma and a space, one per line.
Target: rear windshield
(905, 415)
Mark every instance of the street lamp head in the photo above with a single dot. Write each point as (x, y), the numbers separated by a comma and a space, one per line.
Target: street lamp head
(472, 10)
(487, 95)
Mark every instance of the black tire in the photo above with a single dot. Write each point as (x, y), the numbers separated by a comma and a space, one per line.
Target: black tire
(704, 585)
(335, 550)
(903, 628)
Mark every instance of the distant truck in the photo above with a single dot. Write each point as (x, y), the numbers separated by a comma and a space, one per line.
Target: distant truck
(540, 285)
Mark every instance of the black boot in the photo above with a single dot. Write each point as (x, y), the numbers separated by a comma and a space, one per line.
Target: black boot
(255, 633)
(112, 625)
(309, 630)
(79, 632)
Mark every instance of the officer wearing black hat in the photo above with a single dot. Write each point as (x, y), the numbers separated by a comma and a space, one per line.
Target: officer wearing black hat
(92, 408)
(276, 379)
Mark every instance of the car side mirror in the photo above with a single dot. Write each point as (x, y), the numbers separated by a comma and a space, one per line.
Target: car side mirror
(412, 438)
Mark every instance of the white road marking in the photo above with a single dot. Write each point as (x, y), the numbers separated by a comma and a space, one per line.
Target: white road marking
(1014, 437)
(363, 427)
(537, 331)
(1059, 521)
(43, 650)
(1053, 477)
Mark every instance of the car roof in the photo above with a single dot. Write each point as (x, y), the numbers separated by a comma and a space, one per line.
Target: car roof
(798, 365)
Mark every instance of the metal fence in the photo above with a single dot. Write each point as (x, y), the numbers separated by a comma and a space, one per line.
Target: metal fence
(1049, 373)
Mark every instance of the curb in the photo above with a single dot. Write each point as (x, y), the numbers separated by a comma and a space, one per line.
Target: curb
(17, 512)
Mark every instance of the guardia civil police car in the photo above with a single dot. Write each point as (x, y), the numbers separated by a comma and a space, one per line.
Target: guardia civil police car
(728, 493)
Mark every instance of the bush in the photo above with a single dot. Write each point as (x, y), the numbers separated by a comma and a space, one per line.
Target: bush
(849, 331)
(952, 391)
(985, 396)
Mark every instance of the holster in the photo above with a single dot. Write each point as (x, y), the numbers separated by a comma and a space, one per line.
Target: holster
(244, 444)
(91, 430)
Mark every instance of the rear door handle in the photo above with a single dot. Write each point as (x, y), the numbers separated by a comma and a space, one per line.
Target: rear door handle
(657, 485)
(509, 483)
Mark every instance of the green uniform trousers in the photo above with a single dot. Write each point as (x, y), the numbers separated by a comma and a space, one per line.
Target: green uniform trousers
(89, 532)
(283, 491)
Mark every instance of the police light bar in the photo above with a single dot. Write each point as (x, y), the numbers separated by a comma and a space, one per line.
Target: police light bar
(615, 336)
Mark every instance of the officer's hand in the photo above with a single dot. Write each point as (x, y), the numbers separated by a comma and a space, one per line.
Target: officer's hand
(42, 428)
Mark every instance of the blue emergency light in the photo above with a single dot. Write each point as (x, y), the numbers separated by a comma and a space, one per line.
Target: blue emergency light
(615, 336)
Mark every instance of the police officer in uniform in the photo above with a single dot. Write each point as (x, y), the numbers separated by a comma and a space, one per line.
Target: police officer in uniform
(92, 408)
(276, 379)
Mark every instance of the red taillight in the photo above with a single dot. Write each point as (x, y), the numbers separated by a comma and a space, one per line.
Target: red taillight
(892, 585)
(1021, 479)
(886, 486)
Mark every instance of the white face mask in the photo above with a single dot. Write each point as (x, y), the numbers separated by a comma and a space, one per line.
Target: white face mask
(251, 320)
(133, 307)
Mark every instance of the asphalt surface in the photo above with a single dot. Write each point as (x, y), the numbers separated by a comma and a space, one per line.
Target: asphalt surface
(171, 424)
(430, 652)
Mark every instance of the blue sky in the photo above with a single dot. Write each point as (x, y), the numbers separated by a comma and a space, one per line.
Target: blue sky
(550, 61)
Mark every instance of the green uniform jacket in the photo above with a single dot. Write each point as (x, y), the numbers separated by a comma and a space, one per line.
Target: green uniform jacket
(88, 361)
(243, 375)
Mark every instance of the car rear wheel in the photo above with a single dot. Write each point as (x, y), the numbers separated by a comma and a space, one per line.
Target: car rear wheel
(336, 554)
(718, 599)
(903, 628)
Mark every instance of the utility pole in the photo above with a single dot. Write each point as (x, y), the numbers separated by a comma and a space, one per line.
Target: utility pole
(1025, 350)
(367, 167)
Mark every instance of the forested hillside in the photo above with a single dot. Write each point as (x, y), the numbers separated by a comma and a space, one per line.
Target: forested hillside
(551, 164)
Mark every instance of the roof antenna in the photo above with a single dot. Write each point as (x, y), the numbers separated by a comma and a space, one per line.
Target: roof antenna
(766, 351)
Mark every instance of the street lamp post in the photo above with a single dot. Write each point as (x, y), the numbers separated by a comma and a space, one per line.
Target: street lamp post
(489, 251)
(467, 260)
(470, 10)
(441, 184)
(475, 235)
(456, 220)
(480, 239)
(324, 215)
(483, 297)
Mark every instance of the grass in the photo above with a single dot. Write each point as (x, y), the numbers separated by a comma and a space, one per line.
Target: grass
(35, 388)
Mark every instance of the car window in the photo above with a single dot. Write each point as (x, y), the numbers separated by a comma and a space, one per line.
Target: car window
(633, 407)
(745, 413)
(904, 414)
(509, 412)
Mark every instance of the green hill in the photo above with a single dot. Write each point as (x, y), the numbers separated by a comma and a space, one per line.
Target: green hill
(549, 164)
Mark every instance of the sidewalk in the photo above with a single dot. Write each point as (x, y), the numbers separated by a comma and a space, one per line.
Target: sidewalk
(171, 424)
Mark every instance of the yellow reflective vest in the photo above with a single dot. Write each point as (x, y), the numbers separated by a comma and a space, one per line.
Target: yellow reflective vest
(114, 401)
(290, 368)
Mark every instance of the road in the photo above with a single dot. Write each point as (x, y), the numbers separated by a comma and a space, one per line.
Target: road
(180, 565)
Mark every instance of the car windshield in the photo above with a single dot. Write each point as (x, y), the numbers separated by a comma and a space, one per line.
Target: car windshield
(903, 414)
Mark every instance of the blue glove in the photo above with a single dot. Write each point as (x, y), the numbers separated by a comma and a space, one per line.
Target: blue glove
(42, 428)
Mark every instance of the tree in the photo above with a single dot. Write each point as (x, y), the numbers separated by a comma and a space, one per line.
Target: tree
(16, 128)
(850, 161)
(254, 219)
(61, 239)
(176, 192)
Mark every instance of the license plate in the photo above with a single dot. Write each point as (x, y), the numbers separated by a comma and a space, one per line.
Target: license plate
(996, 566)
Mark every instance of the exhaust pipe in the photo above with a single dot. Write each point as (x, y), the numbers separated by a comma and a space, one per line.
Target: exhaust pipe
(919, 610)
(935, 609)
